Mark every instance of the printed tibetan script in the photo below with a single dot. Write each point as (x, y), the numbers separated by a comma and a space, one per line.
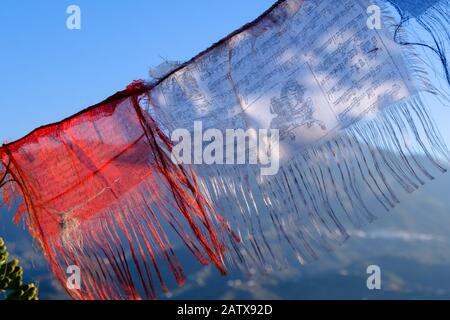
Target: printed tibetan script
(308, 68)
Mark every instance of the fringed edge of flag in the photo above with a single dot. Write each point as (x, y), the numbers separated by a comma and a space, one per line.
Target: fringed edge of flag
(321, 193)
(123, 251)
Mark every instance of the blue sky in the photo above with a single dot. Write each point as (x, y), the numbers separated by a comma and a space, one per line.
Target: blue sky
(48, 72)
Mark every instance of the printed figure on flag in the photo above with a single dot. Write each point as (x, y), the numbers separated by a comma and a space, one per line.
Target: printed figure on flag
(292, 110)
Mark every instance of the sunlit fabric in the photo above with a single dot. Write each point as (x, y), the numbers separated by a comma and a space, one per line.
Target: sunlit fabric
(351, 102)
(349, 99)
(100, 193)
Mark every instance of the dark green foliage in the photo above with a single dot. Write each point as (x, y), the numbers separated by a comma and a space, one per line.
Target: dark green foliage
(11, 285)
